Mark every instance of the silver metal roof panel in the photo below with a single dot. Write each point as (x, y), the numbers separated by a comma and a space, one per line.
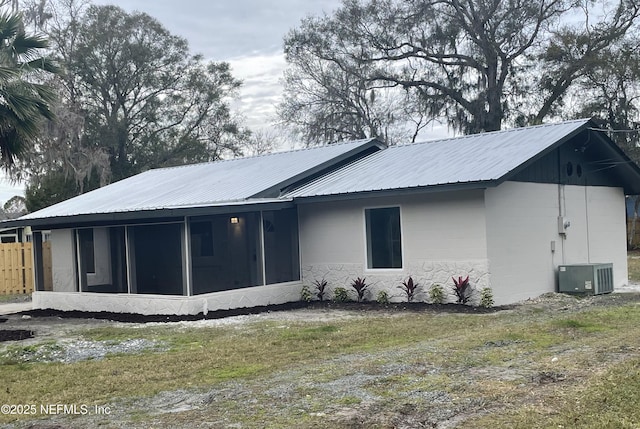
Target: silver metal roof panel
(474, 158)
(205, 184)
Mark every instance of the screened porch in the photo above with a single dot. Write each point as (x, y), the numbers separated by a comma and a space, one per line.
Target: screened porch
(192, 256)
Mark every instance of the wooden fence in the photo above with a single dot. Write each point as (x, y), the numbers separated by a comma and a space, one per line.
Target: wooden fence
(16, 268)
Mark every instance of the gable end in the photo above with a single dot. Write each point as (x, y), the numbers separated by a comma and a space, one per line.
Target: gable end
(587, 159)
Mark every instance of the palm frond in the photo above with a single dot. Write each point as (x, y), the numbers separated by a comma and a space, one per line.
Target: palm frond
(42, 64)
(23, 43)
(24, 105)
(8, 73)
(10, 24)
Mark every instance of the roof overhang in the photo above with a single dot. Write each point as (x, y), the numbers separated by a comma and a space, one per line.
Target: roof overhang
(148, 216)
(447, 187)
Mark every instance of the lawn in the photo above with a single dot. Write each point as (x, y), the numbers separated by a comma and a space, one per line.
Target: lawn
(557, 362)
(11, 298)
(634, 265)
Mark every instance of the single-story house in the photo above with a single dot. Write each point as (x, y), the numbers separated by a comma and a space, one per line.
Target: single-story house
(506, 208)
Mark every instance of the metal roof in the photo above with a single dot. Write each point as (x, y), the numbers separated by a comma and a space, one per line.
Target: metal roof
(207, 184)
(333, 171)
(478, 158)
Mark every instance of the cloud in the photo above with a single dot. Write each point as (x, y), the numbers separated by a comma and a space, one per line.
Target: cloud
(8, 189)
(262, 89)
(221, 30)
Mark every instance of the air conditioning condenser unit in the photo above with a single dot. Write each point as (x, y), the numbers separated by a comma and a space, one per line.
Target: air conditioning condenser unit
(594, 279)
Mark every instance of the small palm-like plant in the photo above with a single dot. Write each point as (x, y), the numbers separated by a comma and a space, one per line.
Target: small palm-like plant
(462, 288)
(410, 288)
(361, 287)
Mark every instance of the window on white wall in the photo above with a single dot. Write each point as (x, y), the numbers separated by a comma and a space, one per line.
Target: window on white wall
(384, 241)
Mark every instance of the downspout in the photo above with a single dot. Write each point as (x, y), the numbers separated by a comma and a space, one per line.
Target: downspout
(586, 215)
(562, 212)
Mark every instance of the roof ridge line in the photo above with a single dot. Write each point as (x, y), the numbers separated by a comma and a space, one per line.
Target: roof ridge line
(264, 155)
(508, 130)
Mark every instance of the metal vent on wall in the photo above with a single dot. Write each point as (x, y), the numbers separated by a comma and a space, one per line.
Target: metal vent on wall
(592, 279)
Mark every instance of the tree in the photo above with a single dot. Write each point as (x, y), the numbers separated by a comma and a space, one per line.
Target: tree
(133, 98)
(15, 206)
(146, 100)
(478, 63)
(49, 189)
(24, 102)
(611, 92)
(332, 99)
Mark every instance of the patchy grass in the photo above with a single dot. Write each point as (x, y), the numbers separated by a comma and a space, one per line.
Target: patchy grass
(633, 262)
(608, 400)
(527, 367)
(11, 298)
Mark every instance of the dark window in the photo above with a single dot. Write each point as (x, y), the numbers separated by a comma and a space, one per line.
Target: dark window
(87, 252)
(384, 242)
(281, 246)
(225, 252)
(569, 169)
(157, 256)
(201, 239)
(579, 170)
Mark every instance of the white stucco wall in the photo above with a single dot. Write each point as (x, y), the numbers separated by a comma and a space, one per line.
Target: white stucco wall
(522, 223)
(443, 234)
(63, 260)
(607, 232)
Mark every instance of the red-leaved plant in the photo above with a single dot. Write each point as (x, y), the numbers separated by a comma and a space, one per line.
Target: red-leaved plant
(409, 288)
(462, 288)
(321, 286)
(361, 287)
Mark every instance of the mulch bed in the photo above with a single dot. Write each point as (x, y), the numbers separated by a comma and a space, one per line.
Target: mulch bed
(419, 307)
(15, 335)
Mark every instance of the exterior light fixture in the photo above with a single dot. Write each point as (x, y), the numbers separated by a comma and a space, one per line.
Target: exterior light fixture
(234, 220)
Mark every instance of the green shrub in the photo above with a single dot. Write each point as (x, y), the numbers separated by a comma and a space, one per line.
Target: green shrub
(383, 297)
(305, 294)
(436, 294)
(340, 294)
(486, 297)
